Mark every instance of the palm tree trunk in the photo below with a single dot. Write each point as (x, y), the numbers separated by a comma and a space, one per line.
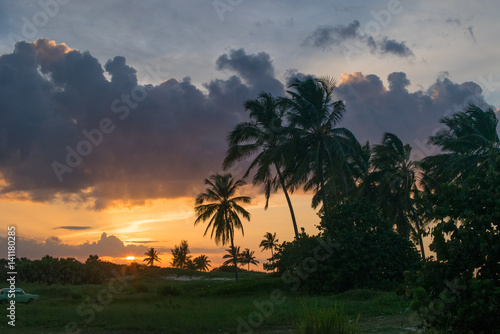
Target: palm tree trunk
(420, 239)
(283, 185)
(323, 191)
(234, 256)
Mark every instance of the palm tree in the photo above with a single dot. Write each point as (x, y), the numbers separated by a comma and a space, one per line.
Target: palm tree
(269, 242)
(180, 257)
(151, 256)
(247, 257)
(222, 209)
(232, 253)
(321, 148)
(264, 137)
(469, 144)
(394, 178)
(202, 262)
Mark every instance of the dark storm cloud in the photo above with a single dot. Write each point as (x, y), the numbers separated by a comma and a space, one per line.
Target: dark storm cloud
(74, 228)
(373, 109)
(394, 47)
(352, 37)
(107, 245)
(68, 132)
(257, 70)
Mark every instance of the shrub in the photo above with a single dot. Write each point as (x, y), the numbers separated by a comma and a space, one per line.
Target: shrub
(356, 249)
(459, 291)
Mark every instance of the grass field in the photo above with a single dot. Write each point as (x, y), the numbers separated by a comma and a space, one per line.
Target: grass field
(148, 303)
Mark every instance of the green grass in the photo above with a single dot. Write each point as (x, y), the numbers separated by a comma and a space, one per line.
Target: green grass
(151, 304)
(326, 321)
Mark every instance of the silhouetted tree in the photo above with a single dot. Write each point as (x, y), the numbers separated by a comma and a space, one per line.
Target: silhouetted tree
(247, 257)
(222, 209)
(180, 255)
(322, 150)
(269, 243)
(151, 257)
(201, 263)
(264, 136)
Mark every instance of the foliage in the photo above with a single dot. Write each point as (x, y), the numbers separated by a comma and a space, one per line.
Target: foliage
(50, 270)
(356, 249)
(247, 257)
(270, 242)
(460, 290)
(265, 136)
(232, 253)
(326, 321)
(180, 255)
(469, 144)
(322, 151)
(201, 263)
(219, 205)
(151, 256)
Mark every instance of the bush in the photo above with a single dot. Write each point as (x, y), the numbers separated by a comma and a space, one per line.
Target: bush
(459, 291)
(356, 249)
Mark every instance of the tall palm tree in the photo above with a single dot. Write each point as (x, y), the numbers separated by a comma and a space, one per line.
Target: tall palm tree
(247, 257)
(269, 243)
(152, 256)
(395, 188)
(202, 262)
(469, 144)
(321, 147)
(232, 253)
(222, 209)
(264, 136)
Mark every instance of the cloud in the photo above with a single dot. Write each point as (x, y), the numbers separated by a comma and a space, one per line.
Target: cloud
(327, 35)
(107, 245)
(394, 47)
(351, 37)
(75, 228)
(69, 133)
(373, 109)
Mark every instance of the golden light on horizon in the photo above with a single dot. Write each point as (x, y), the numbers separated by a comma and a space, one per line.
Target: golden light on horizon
(130, 258)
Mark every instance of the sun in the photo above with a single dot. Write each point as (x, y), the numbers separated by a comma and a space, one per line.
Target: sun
(130, 258)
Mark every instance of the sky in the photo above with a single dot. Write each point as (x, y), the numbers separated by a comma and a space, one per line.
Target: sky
(112, 113)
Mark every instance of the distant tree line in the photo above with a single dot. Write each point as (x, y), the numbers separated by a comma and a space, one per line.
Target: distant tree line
(52, 270)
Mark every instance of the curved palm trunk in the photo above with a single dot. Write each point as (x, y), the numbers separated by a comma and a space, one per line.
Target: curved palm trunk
(283, 185)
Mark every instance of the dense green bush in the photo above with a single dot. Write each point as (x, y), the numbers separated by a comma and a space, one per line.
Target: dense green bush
(459, 291)
(357, 248)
